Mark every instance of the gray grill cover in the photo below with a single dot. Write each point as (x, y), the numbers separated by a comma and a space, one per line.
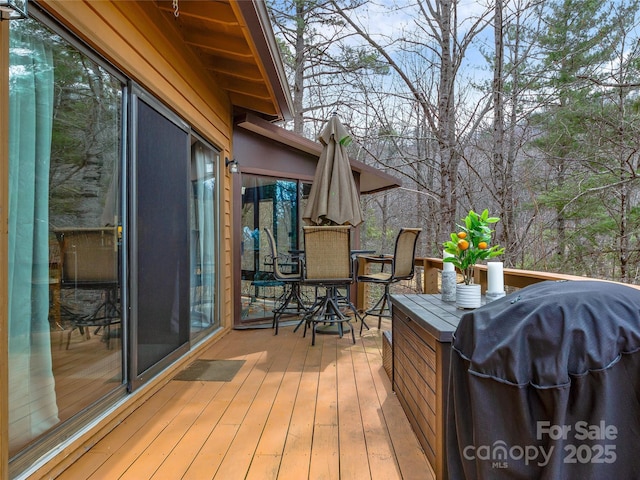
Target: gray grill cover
(545, 384)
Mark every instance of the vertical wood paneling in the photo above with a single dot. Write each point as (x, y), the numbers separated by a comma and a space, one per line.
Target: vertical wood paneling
(409, 378)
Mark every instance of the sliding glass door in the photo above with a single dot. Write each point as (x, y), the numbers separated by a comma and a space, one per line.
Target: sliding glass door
(160, 230)
(273, 203)
(102, 293)
(65, 158)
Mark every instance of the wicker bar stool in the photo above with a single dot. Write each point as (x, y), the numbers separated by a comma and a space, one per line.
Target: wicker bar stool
(402, 268)
(291, 301)
(328, 263)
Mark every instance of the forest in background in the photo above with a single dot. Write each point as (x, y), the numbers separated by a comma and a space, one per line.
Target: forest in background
(530, 109)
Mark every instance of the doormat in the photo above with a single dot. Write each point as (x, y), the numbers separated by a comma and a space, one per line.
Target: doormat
(210, 371)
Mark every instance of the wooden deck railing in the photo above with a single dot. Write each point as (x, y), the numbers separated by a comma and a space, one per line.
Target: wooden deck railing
(429, 269)
(513, 277)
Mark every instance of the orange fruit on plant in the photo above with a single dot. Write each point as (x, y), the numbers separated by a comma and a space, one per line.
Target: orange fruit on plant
(462, 235)
(482, 245)
(463, 244)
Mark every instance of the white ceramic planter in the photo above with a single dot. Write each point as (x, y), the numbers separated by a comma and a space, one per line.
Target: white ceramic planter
(468, 296)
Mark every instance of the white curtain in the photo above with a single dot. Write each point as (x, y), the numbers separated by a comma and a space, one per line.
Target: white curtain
(32, 399)
(204, 252)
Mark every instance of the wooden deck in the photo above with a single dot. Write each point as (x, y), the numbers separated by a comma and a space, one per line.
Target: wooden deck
(293, 411)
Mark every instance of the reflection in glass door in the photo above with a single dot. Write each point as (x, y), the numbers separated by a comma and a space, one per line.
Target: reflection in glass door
(65, 320)
(273, 203)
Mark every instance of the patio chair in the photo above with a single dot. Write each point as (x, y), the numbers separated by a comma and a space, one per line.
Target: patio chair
(88, 258)
(402, 268)
(328, 264)
(291, 300)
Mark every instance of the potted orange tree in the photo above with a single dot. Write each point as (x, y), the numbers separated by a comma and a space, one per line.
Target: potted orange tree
(470, 244)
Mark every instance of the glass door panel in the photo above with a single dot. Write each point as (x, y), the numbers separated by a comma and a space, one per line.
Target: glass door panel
(273, 203)
(204, 316)
(65, 321)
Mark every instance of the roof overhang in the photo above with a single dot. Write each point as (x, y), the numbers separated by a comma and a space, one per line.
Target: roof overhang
(236, 44)
(372, 180)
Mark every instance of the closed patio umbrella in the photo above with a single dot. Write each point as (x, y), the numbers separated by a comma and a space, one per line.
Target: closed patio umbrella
(333, 198)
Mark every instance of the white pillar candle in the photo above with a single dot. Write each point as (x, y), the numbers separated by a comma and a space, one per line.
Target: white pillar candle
(495, 277)
(447, 266)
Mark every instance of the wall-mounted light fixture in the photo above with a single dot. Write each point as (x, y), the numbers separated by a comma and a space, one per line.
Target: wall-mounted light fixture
(232, 165)
(13, 9)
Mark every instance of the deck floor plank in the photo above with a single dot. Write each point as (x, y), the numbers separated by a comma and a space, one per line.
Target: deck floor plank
(296, 456)
(243, 447)
(353, 448)
(293, 411)
(178, 461)
(133, 444)
(232, 403)
(411, 459)
(325, 461)
(109, 445)
(163, 444)
(275, 431)
(264, 467)
(382, 461)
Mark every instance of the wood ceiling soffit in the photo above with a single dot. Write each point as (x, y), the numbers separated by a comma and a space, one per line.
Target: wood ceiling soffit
(248, 26)
(223, 55)
(220, 29)
(228, 67)
(253, 104)
(224, 44)
(248, 88)
(213, 30)
(210, 11)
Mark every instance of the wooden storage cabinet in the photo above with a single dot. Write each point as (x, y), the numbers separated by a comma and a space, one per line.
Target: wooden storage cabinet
(421, 355)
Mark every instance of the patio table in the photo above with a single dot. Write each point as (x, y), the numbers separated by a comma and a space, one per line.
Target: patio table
(355, 255)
